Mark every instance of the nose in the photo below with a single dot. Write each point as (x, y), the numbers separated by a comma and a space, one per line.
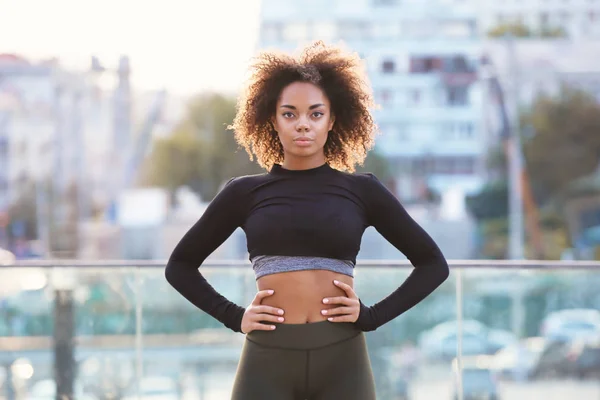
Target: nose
(302, 125)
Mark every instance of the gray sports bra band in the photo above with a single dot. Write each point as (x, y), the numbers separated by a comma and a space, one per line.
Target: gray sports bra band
(266, 265)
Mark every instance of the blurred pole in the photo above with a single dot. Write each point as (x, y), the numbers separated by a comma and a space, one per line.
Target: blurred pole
(459, 328)
(515, 160)
(64, 351)
(515, 171)
(139, 332)
(41, 209)
(64, 324)
(9, 387)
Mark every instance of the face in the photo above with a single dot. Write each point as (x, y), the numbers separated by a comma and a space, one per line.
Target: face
(302, 120)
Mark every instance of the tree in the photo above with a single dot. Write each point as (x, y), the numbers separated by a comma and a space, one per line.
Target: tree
(200, 153)
(376, 164)
(520, 30)
(565, 144)
(516, 29)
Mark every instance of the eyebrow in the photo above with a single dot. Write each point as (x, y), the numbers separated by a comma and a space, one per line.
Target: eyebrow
(310, 108)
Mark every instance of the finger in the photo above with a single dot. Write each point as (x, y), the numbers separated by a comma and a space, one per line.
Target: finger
(338, 311)
(338, 300)
(261, 295)
(346, 288)
(263, 327)
(267, 317)
(267, 310)
(343, 318)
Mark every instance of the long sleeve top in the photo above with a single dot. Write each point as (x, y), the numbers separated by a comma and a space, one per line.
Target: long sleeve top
(319, 212)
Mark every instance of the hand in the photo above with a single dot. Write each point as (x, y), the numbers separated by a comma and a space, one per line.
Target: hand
(256, 312)
(350, 305)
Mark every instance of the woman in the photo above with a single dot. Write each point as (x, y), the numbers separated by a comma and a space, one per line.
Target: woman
(307, 121)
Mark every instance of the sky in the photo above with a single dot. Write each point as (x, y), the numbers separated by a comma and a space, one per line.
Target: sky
(185, 46)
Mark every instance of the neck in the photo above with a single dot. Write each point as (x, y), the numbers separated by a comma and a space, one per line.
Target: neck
(299, 163)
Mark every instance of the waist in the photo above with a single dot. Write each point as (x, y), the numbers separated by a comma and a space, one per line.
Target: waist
(267, 265)
(300, 293)
(305, 336)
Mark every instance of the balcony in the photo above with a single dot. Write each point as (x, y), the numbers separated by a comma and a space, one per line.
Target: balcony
(492, 326)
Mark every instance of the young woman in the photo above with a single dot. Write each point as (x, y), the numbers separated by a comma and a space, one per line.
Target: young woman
(306, 119)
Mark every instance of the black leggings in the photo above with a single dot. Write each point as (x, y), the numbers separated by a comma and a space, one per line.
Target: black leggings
(317, 361)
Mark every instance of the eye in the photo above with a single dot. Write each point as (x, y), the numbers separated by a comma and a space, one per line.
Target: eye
(318, 114)
(288, 114)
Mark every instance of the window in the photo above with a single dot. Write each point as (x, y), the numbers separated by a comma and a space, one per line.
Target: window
(388, 67)
(464, 165)
(456, 64)
(464, 130)
(414, 97)
(456, 130)
(457, 96)
(451, 165)
(424, 65)
(384, 97)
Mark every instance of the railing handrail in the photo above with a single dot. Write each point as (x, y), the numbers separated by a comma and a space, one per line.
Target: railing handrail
(455, 264)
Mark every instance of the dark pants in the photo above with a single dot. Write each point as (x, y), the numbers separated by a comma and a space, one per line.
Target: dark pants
(317, 361)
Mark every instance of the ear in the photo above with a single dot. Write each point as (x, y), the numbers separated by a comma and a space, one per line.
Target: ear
(331, 122)
(273, 122)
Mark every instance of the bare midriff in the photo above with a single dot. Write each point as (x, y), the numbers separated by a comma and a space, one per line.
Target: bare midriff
(300, 293)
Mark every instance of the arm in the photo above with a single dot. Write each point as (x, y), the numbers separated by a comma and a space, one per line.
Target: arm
(221, 218)
(391, 220)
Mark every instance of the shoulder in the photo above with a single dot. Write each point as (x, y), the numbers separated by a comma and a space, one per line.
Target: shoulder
(362, 180)
(245, 183)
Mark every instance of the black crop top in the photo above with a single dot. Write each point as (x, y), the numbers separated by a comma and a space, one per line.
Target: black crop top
(318, 212)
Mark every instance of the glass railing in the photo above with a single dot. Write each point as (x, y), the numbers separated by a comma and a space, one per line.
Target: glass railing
(119, 331)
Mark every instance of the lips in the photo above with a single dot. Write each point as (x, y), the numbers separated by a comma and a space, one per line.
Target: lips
(303, 141)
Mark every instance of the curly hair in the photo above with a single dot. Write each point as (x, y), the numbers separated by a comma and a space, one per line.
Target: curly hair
(341, 77)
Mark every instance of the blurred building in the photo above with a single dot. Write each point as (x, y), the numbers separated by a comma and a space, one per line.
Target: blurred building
(578, 18)
(60, 129)
(527, 69)
(422, 61)
(26, 128)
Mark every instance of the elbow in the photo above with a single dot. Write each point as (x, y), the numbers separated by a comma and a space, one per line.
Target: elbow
(443, 271)
(173, 272)
(440, 265)
(170, 273)
(177, 271)
(436, 266)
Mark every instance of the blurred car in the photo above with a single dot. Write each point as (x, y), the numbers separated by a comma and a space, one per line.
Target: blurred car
(571, 324)
(401, 389)
(154, 388)
(478, 379)
(6, 257)
(552, 361)
(45, 389)
(583, 358)
(441, 341)
(518, 360)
